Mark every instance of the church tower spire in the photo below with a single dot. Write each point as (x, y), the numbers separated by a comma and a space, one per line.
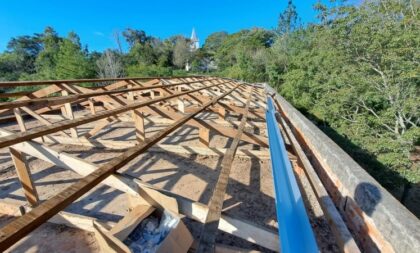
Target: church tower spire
(195, 42)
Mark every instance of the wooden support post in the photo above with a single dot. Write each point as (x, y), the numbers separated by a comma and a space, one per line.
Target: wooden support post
(181, 105)
(204, 135)
(92, 106)
(24, 176)
(69, 114)
(130, 93)
(139, 125)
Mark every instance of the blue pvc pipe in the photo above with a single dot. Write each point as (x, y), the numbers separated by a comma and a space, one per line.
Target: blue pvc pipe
(295, 231)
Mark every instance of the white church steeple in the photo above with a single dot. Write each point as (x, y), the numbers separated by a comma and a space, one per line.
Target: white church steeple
(195, 43)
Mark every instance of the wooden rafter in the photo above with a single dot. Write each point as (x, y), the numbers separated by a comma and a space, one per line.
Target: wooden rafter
(209, 231)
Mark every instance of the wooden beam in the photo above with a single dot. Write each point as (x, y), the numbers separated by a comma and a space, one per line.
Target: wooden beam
(209, 231)
(18, 228)
(24, 176)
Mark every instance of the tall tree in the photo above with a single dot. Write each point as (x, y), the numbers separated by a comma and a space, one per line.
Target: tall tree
(134, 37)
(288, 20)
(182, 53)
(214, 41)
(46, 60)
(109, 65)
(72, 61)
(24, 50)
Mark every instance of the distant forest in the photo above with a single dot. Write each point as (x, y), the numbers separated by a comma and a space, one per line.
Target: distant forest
(355, 73)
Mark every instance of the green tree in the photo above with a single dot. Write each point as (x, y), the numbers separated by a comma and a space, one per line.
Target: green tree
(19, 57)
(72, 61)
(289, 19)
(214, 41)
(181, 54)
(46, 60)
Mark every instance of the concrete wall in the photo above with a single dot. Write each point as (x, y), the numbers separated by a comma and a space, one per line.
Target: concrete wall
(377, 220)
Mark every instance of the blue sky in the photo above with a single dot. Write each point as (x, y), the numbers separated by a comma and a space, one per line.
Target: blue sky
(94, 21)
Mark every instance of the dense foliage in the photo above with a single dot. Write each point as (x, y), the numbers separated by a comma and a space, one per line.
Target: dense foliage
(355, 72)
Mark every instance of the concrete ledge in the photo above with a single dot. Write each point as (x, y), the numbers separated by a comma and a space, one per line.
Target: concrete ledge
(375, 217)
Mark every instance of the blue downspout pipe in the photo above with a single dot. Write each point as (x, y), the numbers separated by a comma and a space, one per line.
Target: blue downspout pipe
(295, 232)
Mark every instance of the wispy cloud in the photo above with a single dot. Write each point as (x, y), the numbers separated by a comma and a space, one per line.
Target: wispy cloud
(99, 34)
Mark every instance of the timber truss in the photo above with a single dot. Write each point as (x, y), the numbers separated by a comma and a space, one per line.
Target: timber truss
(61, 109)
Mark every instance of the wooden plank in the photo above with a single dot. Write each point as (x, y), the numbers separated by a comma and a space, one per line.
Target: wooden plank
(130, 221)
(209, 231)
(18, 228)
(33, 133)
(24, 176)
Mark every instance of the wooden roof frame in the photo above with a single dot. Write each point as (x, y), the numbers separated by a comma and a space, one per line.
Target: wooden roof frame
(135, 95)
